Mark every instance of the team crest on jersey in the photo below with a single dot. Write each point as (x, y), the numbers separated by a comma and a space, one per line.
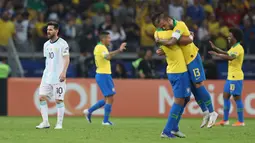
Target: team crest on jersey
(178, 31)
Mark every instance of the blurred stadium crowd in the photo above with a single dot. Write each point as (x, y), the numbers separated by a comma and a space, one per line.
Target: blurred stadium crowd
(126, 20)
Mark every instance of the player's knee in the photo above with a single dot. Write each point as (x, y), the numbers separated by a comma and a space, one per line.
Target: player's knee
(43, 98)
(237, 97)
(180, 101)
(226, 95)
(59, 101)
(109, 99)
(199, 84)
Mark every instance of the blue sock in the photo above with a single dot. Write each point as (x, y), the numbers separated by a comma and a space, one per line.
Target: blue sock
(226, 109)
(96, 106)
(107, 112)
(198, 98)
(173, 117)
(239, 105)
(206, 98)
(176, 127)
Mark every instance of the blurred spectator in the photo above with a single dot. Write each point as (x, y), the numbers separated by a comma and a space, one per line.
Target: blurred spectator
(107, 24)
(117, 35)
(203, 36)
(136, 63)
(196, 12)
(249, 36)
(37, 5)
(88, 35)
(213, 25)
(120, 71)
(41, 36)
(22, 32)
(147, 34)
(70, 33)
(133, 34)
(7, 30)
(4, 68)
(146, 66)
(175, 10)
(232, 17)
(207, 7)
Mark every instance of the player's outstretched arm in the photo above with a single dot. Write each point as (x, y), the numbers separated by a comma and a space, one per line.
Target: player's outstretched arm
(223, 56)
(218, 50)
(113, 53)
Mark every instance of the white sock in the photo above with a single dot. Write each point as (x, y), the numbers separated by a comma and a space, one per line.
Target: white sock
(44, 110)
(61, 112)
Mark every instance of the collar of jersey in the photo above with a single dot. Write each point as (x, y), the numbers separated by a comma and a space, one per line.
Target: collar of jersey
(235, 44)
(174, 22)
(160, 29)
(54, 41)
(100, 43)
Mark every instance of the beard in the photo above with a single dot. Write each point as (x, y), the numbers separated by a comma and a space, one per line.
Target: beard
(50, 36)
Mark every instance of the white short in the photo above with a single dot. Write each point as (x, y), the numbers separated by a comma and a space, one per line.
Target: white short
(53, 90)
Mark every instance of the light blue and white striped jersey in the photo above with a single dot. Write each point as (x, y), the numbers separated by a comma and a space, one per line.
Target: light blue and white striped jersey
(54, 64)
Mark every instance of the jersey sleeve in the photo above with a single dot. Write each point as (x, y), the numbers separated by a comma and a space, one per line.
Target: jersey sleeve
(44, 51)
(235, 52)
(65, 49)
(104, 52)
(179, 30)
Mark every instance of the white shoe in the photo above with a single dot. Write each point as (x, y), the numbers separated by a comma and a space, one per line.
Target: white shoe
(212, 120)
(205, 119)
(87, 115)
(58, 126)
(178, 134)
(107, 123)
(43, 125)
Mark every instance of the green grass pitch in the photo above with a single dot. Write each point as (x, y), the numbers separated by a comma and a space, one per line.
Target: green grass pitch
(125, 130)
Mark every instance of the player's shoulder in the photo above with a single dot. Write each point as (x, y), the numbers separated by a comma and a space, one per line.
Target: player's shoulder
(180, 23)
(240, 48)
(62, 41)
(46, 43)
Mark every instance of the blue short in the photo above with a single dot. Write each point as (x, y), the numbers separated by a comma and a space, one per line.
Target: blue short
(180, 84)
(105, 84)
(196, 70)
(234, 87)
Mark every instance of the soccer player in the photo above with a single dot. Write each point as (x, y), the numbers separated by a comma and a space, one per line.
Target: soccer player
(234, 83)
(53, 83)
(194, 64)
(103, 77)
(179, 79)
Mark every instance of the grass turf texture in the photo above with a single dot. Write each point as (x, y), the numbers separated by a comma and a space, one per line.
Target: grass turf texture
(125, 130)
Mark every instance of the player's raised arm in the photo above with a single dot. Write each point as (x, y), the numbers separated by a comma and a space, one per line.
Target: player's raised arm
(113, 53)
(222, 54)
(218, 50)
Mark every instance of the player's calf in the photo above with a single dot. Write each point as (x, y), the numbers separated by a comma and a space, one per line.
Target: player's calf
(60, 113)
(108, 109)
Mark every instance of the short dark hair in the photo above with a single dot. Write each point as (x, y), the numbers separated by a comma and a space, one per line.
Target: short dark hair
(237, 33)
(103, 34)
(54, 24)
(156, 17)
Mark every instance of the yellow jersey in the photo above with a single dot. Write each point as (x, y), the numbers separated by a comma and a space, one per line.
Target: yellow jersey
(103, 65)
(174, 56)
(235, 66)
(6, 32)
(189, 51)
